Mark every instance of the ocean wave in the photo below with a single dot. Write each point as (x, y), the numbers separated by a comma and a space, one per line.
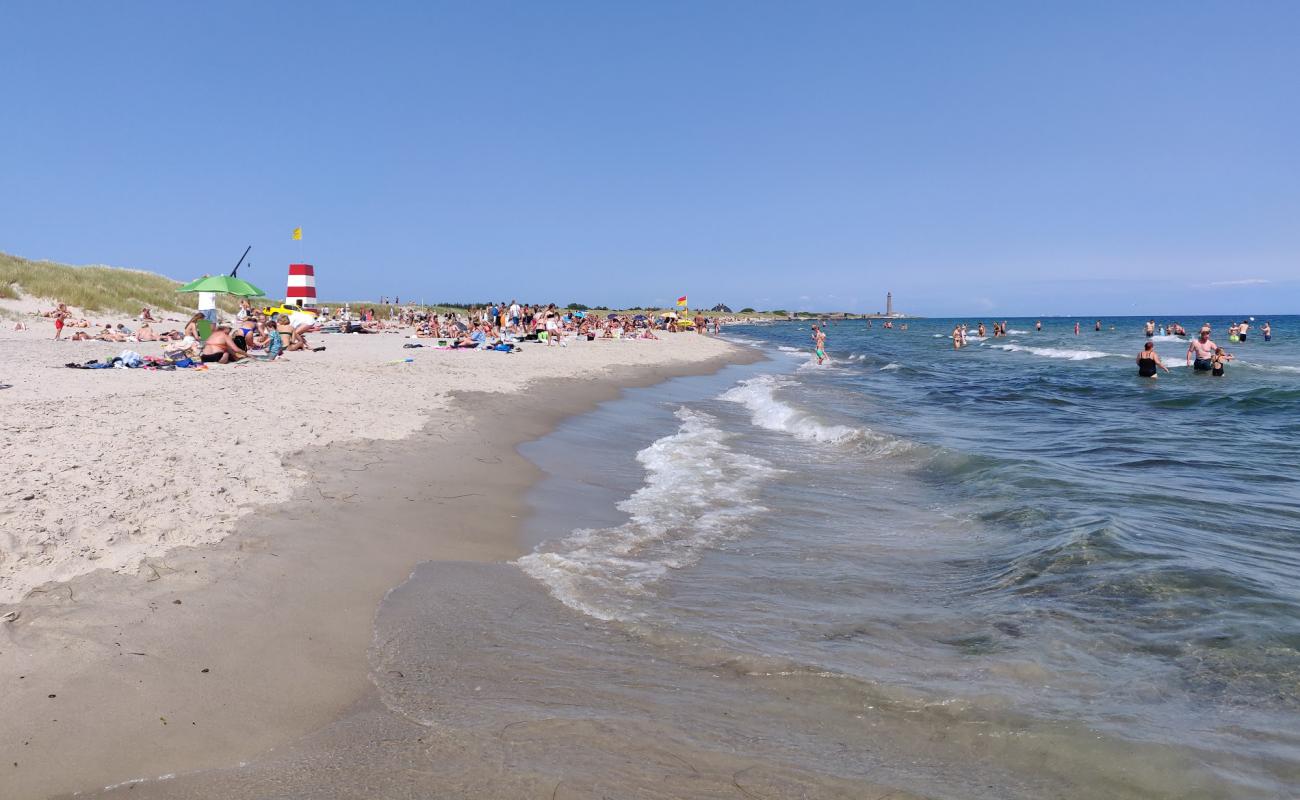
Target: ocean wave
(1054, 352)
(785, 349)
(768, 411)
(891, 365)
(697, 491)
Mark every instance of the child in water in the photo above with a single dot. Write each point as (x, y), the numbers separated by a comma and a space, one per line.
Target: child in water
(1216, 365)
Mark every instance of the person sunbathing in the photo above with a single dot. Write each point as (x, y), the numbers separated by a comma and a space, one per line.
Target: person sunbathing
(145, 333)
(109, 335)
(146, 316)
(220, 348)
(80, 336)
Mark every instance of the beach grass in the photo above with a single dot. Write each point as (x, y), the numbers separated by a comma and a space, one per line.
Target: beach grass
(93, 288)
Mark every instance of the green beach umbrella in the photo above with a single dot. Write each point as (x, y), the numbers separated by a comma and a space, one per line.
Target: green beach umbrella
(223, 284)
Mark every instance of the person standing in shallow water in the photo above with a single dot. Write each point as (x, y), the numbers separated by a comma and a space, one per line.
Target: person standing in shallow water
(1200, 352)
(1098, 326)
(1076, 329)
(1267, 330)
(819, 343)
(1038, 326)
(1148, 361)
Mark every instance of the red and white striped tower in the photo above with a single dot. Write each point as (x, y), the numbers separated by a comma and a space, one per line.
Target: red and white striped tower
(302, 286)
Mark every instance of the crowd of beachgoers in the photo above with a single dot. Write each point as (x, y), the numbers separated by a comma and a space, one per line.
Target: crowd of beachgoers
(1203, 354)
(268, 333)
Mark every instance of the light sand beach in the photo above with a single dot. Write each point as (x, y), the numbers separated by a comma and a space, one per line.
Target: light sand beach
(195, 558)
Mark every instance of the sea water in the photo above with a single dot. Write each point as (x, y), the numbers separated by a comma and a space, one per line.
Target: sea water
(1044, 567)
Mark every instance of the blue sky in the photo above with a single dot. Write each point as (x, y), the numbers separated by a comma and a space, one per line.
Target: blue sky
(1009, 158)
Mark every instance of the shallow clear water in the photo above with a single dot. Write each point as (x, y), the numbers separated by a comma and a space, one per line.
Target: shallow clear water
(1022, 538)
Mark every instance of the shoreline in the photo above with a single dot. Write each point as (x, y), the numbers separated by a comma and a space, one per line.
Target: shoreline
(220, 653)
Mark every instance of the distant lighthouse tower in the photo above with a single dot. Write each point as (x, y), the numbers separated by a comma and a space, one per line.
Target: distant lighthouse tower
(889, 304)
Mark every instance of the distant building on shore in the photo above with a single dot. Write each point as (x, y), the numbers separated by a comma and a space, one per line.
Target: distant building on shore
(889, 313)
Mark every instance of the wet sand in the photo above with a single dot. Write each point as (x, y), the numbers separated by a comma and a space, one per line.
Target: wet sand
(216, 655)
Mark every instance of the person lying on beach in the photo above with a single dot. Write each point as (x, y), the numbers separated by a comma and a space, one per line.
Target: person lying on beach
(220, 348)
(110, 335)
(1148, 360)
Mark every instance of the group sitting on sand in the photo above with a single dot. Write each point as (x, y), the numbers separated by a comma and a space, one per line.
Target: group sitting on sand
(501, 325)
(252, 334)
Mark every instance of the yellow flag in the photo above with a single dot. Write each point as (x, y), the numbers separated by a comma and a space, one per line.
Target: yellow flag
(297, 234)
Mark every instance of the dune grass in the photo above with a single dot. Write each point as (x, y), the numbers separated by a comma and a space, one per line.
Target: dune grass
(95, 289)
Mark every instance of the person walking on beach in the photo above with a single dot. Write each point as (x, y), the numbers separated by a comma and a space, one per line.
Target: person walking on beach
(58, 324)
(819, 343)
(1148, 360)
(1200, 352)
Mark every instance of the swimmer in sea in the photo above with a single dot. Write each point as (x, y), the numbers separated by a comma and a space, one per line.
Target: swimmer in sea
(1076, 329)
(1038, 326)
(1148, 360)
(819, 343)
(1150, 328)
(1267, 330)
(1098, 327)
(1242, 330)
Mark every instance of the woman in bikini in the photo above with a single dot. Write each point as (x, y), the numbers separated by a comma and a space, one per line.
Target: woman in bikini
(1148, 361)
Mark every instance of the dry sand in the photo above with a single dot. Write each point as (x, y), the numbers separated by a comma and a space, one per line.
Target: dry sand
(105, 469)
(175, 626)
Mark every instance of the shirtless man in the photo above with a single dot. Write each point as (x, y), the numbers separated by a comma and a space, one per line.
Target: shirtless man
(819, 343)
(1150, 329)
(1200, 353)
(701, 324)
(145, 333)
(1242, 330)
(220, 348)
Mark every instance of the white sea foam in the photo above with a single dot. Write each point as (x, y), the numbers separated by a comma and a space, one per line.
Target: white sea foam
(785, 349)
(891, 365)
(697, 491)
(1163, 338)
(768, 411)
(1054, 352)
